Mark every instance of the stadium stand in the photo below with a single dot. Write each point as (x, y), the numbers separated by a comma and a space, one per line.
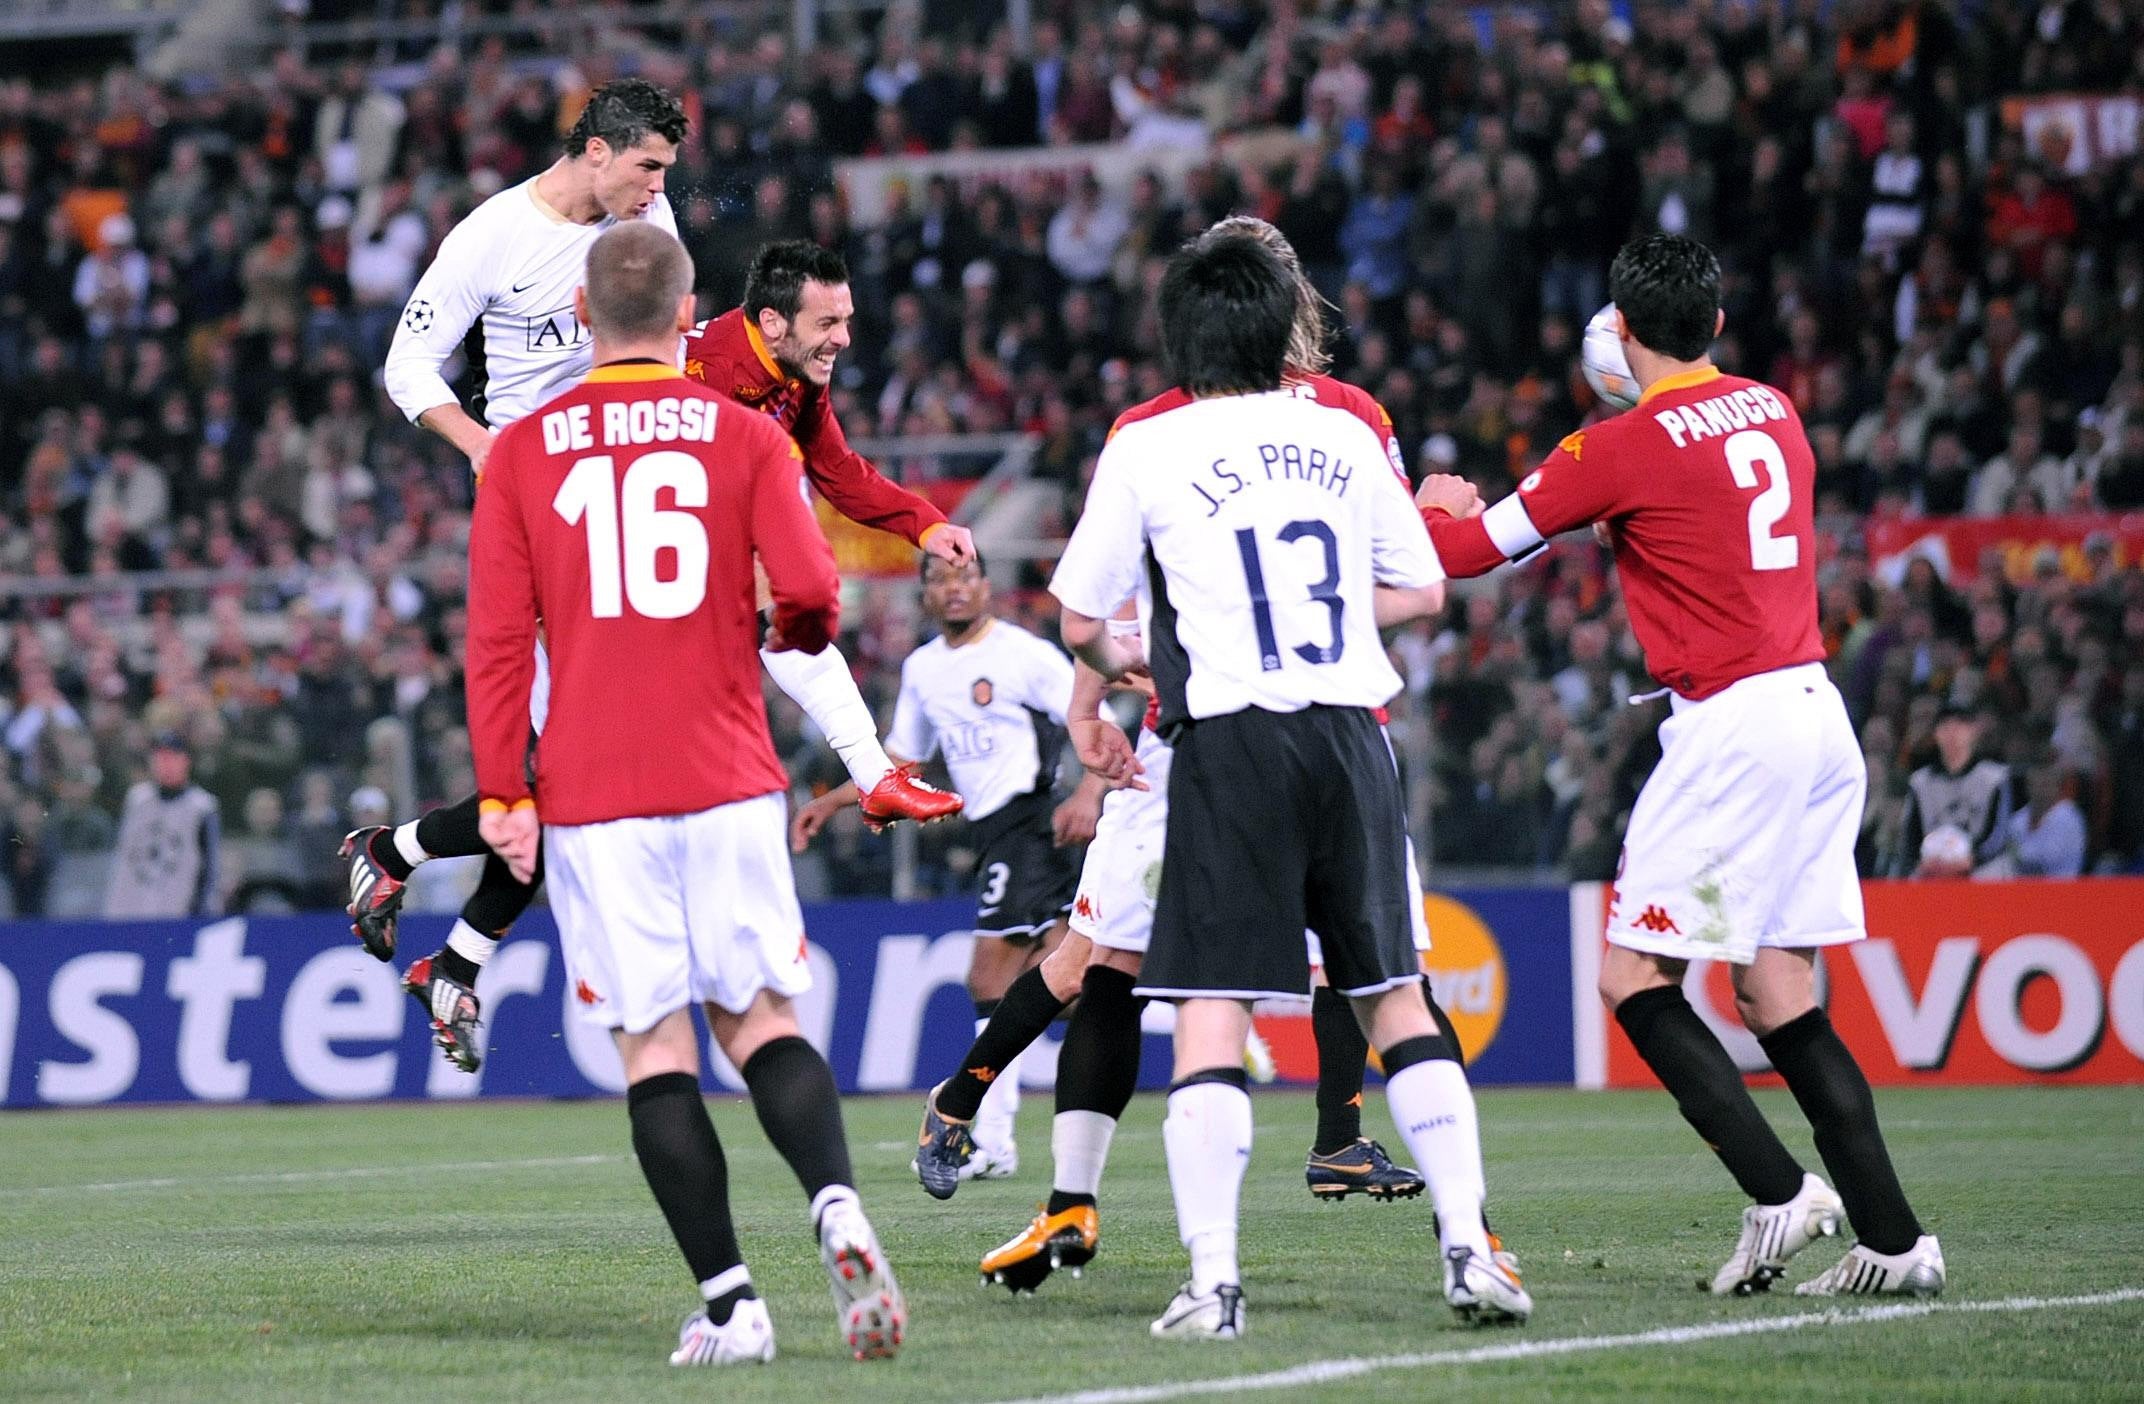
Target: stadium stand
(212, 523)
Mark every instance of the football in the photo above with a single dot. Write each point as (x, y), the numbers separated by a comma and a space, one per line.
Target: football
(1600, 355)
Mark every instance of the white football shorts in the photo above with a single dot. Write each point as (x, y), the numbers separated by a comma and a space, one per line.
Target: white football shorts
(1743, 836)
(658, 914)
(1118, 882)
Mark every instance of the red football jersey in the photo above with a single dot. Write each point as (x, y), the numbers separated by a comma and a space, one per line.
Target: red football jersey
(625, 515)
(1708, 486)
(1337, 394)
(726, 353)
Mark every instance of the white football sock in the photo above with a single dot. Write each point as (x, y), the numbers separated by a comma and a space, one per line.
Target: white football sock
(728, 1280)
(1079, 1144)
(1208, 1138)
(1433, 1107)
(993, 1126)
(406, 844)
(467, 941)
(822, 685)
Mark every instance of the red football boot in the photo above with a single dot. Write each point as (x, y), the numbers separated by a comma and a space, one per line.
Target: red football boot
(903, 796)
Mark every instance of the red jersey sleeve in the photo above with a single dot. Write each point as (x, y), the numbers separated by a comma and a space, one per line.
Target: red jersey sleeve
(501, 661)
(848, 480)
(1564, 493)
(791, 549)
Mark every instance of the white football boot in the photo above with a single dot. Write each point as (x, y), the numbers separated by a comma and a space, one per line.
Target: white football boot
(1483, 1291)
(867, 1300)
(1864, 1272)
(747, 1338)
(1773, 1233)
(1202, 1316)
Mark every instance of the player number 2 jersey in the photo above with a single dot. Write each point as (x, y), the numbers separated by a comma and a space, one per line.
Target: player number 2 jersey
(1709, 487)
(1260, 526)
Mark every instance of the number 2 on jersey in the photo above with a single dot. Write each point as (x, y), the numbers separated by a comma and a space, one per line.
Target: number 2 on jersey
(1746, 450)
(1325, 592)
(626, 530)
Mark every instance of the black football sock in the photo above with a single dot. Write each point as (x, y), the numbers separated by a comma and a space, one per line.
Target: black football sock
(500, 897)
(381, 846)
(450, 831)
(1097, 1072)
(1828, 1083)
(1021, 1017)
(1708, 1089)
(678, 1152)
(1343, 1052)
(793, 1092)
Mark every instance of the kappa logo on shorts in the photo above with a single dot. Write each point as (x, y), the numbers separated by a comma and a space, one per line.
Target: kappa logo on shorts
(1087, 909)
(586, 993)
(982, 692)
(1656, 920)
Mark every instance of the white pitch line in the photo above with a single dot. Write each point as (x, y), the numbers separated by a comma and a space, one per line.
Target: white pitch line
(354, 1172)
(1318, 1372)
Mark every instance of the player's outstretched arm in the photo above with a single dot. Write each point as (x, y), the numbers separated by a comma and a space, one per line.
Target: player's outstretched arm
(1561, 495)
(863, 494)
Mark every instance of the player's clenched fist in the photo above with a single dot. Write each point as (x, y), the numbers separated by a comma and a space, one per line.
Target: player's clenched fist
(1449, 493)
(513, 834)
(1102, 747)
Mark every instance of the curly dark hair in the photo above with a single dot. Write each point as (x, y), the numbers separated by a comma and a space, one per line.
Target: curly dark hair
(780, 270)
(626, 113)
(1668, 290)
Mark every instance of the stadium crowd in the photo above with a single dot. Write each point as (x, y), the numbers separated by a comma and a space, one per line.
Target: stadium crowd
(199, 278)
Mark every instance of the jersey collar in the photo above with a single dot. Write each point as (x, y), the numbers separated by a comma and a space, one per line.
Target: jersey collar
(759, 349)
(623, 372)
(1668, 384)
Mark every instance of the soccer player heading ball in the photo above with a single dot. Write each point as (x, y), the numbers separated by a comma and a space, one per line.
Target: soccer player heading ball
(513, 265)
(1741, 846)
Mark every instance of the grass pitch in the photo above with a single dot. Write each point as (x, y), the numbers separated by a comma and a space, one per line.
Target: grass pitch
(512, 1252)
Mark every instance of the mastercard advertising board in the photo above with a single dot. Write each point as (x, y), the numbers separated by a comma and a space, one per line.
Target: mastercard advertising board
(1960, 983)
(1499, 963)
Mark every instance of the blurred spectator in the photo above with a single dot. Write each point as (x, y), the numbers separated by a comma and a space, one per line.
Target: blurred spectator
(1958, 790)
(169, 842)
(2047, 837)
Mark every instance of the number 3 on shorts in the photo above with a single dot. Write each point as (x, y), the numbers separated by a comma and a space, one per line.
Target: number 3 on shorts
(996, 877)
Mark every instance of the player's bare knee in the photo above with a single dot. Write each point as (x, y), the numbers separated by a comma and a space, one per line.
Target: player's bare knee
(1066, 964)
(1130, 962)
(1626, 972)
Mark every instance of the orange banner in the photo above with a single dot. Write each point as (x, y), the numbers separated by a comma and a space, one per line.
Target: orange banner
(1967, 983)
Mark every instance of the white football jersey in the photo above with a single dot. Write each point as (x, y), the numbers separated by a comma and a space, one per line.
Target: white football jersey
(514, 262)
(1253, 529)
(995, 706)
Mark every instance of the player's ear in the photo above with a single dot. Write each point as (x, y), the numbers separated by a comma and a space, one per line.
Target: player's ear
(1719, 323)
(580, 305)
(597, 151)
(686, 306)
(771, 324)
(1622, 327)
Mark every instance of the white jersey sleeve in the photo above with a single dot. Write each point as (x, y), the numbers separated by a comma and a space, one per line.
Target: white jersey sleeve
(446, 302)
(1400, 550)
(1049, 679)
(1100, 567)
(911, 737)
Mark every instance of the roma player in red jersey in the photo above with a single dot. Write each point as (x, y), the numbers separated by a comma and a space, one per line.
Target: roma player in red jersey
(1741, 846)
(624, 517)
